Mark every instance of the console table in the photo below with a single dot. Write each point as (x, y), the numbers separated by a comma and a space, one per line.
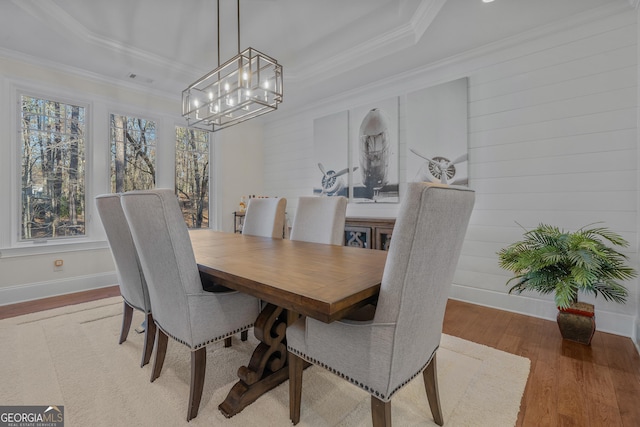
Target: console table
(359, 232)
(369, 233)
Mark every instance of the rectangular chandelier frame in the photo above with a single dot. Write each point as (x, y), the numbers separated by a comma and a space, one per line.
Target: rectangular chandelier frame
(246, 86)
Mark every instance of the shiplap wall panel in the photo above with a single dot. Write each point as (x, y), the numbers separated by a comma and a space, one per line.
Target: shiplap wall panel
(492, 282)
(570, 219)
(559, 48)
(624, 201)
(552, 138)
(577, 182)
(535, 42)
(529, 82)
(596, 142)
(559, 109)
(619, 78)
(489, 241)
(611, 120)
(558, 165)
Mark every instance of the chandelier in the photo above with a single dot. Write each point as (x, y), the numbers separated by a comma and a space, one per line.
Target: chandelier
(246, 86)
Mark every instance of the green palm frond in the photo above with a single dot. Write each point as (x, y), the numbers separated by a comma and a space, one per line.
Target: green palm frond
(550, 260)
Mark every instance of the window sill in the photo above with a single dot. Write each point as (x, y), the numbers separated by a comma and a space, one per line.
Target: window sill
(27, 249)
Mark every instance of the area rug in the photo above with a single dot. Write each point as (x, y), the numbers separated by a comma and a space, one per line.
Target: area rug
(70, 356)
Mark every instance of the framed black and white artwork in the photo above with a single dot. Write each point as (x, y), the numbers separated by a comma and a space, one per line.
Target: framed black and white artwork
(331, 155)
(437, 147)
(373, 137)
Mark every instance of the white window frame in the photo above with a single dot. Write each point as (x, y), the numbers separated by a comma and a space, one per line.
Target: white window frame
(30, 247)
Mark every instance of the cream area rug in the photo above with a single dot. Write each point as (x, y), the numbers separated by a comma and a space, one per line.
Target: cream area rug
(70, 356)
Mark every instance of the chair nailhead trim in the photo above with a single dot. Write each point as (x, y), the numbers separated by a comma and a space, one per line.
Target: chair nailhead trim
(366, 388)
(218, 338)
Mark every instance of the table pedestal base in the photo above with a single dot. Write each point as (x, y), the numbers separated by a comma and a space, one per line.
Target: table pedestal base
(268, 365)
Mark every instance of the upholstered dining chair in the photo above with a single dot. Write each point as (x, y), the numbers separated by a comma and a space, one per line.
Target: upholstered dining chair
(265, 217)
(182, 310)
(133, 286)
(383, 354)
(320, 219)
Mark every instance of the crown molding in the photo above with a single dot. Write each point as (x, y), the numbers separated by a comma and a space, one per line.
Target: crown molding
(401, 37)
(353, 57)
(82, 73)
(424, 16)
(47, 11)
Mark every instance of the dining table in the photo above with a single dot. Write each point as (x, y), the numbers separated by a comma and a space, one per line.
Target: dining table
(292, 279)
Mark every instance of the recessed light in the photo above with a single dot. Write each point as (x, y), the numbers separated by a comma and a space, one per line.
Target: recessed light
(487, 1)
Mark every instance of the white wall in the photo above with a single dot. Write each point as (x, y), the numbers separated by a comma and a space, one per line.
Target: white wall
(552, 138)
(238, 152)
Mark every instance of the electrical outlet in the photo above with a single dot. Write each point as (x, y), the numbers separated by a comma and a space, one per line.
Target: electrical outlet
(58, 265)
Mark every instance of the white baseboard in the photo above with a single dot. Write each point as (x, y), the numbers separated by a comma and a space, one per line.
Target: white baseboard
(606, 321)
(33, 291)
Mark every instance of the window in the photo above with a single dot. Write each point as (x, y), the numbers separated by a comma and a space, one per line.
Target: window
(133, 153)
(52, 168)
(192, 175)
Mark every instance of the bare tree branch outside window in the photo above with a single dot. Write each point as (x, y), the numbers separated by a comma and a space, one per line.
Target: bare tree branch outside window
(192, 175)
(52, 166)
(133, 153)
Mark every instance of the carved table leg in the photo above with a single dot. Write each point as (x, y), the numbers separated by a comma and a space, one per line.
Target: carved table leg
(268, 365)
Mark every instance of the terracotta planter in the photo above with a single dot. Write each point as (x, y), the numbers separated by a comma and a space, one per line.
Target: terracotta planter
(577, 322)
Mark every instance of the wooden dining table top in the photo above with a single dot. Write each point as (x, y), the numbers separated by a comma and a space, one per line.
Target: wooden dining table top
(317, 280)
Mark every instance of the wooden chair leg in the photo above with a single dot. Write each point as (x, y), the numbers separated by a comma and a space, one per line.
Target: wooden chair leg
(198, 368)
(430, 375)
(227, 342)
(149, 338)
(161, 351)
(295, 386)
(380, 412)
(127, 316)
(244, 335)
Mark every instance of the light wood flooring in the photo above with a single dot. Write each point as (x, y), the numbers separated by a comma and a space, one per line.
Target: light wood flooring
(569, 384)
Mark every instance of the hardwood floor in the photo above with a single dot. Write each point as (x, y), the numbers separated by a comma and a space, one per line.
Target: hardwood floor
(19, 309)
(569, 384)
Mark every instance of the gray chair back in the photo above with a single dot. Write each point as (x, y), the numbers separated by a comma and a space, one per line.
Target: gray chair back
(133, 286)
(166, 255)
(425, 247)
(320, 220)
(265, 217)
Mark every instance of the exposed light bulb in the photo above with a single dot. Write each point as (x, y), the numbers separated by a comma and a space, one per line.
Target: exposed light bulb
(245, 76)
(196, 104)
(226, 86)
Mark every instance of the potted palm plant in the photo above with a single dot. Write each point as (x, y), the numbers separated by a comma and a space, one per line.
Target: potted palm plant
(550, 260)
